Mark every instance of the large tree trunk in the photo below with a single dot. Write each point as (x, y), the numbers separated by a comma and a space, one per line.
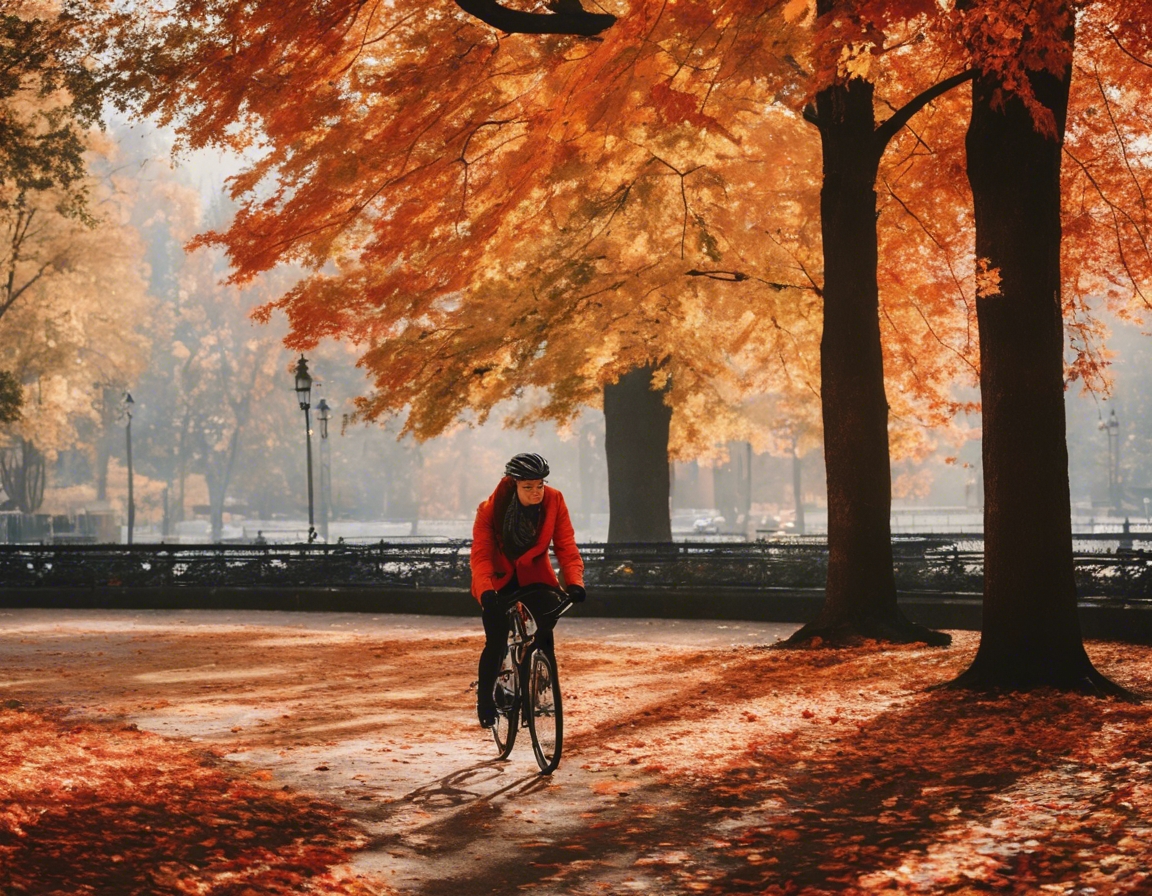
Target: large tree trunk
(1031, 632)
(636, 424)
(860, 596)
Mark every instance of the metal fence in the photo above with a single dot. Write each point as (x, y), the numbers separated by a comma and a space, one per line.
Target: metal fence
(1106, 566)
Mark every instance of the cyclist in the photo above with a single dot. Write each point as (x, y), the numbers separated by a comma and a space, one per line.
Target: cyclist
(510, 538)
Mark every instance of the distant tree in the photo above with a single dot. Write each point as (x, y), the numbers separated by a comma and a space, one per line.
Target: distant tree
(49, 97)
(73, 303)
(11, 397)
(225, 370)
(24, 473)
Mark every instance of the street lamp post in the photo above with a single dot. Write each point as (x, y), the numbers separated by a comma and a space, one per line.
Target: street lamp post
(324, 413)
(1111, 427)
(128, 402)
(304, 394)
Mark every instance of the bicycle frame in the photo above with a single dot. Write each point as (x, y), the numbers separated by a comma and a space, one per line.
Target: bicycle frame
(520, 641)
(520, 708)
(518, 618)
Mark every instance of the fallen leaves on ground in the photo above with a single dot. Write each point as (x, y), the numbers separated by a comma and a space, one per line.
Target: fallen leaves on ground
(686, 770)
(103, 808)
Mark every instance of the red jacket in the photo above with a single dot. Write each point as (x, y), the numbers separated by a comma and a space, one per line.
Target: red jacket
(491, 568)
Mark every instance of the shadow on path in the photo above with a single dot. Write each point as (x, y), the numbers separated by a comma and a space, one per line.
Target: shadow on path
(794, 815)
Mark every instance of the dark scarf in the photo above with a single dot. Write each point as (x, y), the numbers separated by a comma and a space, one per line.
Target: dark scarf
(520, 528)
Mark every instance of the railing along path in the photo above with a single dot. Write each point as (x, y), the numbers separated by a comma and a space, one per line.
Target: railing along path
(1117, 566)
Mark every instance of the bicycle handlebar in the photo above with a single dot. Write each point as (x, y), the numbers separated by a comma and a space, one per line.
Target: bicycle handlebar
(566, 602)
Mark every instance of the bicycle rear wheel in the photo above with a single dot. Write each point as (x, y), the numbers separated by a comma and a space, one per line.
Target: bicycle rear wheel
(506, 695)
(545, 713)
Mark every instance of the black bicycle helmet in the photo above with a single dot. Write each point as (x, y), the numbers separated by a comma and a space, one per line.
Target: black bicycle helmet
(527, 466)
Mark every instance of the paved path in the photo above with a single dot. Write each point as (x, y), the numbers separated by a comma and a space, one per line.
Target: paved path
(693, 632)
(371, 712)
(694, 762)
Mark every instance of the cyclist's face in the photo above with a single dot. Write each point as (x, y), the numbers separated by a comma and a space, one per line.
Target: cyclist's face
(530, 491)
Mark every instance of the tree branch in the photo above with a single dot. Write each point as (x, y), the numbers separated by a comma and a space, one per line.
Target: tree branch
(888, 128)
(568, 17)
(740, 277)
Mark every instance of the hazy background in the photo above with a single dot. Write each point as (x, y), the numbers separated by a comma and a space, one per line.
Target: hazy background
(215, 420)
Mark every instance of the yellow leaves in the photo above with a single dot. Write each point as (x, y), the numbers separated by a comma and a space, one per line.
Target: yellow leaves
(987, 279)
(855, 61)
(794, 10)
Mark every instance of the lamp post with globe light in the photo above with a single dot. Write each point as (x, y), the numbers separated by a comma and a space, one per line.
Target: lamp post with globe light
(128, 402)
(324, 412)
(1111, 427)
(304, 396)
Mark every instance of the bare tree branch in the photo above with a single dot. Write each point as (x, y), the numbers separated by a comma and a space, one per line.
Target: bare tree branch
(740, 277)
(567, 17)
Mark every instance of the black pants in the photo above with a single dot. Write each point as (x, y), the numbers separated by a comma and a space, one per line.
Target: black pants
(540, 602)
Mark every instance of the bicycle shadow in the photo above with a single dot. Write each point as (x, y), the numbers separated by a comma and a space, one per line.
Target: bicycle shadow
(467, 787)
(453, 790)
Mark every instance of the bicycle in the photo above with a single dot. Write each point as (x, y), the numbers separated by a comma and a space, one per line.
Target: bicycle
(539, 707)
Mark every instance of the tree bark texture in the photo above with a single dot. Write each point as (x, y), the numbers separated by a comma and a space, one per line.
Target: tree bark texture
(1031, 632)
(860, 596)
(636, 426)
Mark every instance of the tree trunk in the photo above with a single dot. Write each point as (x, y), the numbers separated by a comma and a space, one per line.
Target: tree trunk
(216, 511)
(108, 402)
(797, 491)
(218, 470)
(636, 424)
(182, 467)
(860, 596)
(102, 455)
(24, 473)
(732, 487)
(1031, 632)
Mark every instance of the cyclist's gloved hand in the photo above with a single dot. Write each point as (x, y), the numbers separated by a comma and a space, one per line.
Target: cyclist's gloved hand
(577, 593)
(490, 600)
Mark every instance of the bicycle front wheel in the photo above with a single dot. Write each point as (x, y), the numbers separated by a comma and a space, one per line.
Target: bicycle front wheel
(545, 713)
(506, 695)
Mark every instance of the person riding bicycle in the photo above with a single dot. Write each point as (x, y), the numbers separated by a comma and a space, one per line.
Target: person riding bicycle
(510, 538)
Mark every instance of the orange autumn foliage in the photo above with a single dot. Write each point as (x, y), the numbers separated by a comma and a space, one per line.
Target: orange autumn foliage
(436, 192)
(487, 214)
(925, 201)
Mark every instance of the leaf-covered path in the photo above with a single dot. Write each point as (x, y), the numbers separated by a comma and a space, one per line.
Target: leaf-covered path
(270, 753)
